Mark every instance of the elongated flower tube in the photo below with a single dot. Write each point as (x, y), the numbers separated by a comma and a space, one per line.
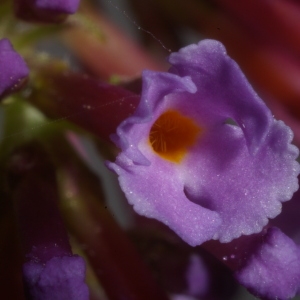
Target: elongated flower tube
(202, 153)
(88, 102)
(50, 270)
(13, 69)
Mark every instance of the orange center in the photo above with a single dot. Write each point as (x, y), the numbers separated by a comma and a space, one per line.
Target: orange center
(172, 134)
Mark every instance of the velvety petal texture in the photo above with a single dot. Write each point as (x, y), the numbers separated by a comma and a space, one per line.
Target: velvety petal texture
(203, 153)
(13, 68)
(60, 278)
(273, 270)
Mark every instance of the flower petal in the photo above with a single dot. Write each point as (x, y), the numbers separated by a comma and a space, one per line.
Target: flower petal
(156, 86)
(52, 11)
(273, 271)
(60, 278)
(140, 179)
(62, 6)
(245, 190)
(157, 191)
(238, 175)
(12, 66)
(224, 88)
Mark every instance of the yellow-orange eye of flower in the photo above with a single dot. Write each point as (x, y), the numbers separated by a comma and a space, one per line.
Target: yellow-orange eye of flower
(172, 134)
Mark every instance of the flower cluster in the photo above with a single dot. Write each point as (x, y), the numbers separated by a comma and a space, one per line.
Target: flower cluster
(200, 155)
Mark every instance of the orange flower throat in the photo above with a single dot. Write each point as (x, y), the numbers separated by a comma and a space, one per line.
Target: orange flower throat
(172, 134)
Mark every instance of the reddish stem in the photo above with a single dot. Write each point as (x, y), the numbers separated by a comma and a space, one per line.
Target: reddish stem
(43, 234)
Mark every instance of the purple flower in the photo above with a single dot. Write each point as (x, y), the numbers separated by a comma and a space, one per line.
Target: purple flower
(62, 6)
(59, 278)
(273, 269)
(197, 276)
(45, 10)
(13, 68)
(203, 153)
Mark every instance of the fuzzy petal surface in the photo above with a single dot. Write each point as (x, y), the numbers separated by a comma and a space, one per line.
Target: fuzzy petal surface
(234, 175)
(13, 68)
(273, 270)
(61, 278)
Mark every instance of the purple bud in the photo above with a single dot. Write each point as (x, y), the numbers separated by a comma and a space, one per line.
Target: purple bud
(13, 68)
(45, 10)
(273, 269)
(60, 278)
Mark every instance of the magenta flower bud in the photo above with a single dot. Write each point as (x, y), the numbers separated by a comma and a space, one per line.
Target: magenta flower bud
(13, 68)
(45, 10)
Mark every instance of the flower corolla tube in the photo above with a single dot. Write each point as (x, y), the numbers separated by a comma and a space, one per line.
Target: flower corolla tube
(202, 153)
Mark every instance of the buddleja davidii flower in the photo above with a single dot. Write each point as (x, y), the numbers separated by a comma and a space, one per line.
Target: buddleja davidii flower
(184, 164)
(13, 68)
